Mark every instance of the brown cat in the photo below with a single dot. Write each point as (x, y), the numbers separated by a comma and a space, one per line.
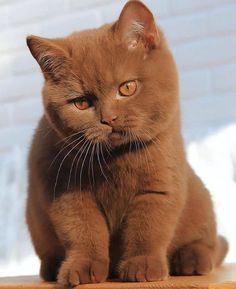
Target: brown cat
(110, 190)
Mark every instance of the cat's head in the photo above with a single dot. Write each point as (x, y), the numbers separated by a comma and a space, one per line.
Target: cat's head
(114, 84)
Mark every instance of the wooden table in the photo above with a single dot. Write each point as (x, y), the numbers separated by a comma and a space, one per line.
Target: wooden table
(222, 278)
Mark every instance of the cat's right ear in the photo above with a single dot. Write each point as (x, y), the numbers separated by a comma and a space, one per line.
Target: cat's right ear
(136, 24)
(50, 56)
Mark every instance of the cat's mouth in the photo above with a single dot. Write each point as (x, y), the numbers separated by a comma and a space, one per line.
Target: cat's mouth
(116, 136)
(113, 136)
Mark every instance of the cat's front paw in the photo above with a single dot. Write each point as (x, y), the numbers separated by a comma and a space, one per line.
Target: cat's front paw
(193, 259)
(82, 271)
(143, 268)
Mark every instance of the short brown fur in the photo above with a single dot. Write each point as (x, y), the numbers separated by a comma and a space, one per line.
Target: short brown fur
(118, 198)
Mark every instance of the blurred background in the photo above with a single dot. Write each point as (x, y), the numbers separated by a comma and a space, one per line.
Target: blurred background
(202, 35)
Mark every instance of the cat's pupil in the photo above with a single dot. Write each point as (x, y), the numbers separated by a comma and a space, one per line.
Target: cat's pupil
(82, 103)
(128, 88)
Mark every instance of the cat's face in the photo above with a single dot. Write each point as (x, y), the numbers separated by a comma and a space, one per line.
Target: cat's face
(114, 85)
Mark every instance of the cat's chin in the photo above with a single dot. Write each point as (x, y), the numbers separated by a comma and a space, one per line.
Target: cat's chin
(116, 139)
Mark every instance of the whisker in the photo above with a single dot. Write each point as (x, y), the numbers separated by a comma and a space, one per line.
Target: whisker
(130, 140)
(91, 166)
(104, 159)
(71, 169)
(82, 166)
(136, 145)
(68, 137)
(129, 137)
(62, 149)
(99, 162)
(145, 150)
(156, 141)
(58, 172)
(77, 162)
(108, 148)
(139, 149)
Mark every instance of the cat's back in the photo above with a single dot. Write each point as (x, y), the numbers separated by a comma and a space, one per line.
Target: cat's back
(40, 155)
(42, 141)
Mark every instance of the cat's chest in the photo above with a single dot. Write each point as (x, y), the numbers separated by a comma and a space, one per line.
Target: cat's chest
(115, 196)
(125, 180)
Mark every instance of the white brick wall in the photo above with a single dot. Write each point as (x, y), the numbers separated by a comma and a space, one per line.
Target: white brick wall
(202, 34)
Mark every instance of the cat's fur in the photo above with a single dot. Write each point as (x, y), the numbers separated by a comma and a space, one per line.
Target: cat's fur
(119, 198)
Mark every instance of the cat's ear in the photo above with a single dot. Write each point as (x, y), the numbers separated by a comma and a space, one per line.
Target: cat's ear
(136, 23)
(51, 57)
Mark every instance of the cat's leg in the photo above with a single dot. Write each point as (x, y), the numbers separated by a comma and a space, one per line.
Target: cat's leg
(46, 243)
(197, 248)
(193, 259)
(83, 231)
(197, 258)
(148, 229)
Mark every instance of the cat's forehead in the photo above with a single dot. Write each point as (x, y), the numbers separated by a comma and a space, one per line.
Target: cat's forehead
(91, 45)
(96, 54)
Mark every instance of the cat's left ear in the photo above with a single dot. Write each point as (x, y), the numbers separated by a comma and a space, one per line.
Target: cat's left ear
(50, 55)
(136, 23)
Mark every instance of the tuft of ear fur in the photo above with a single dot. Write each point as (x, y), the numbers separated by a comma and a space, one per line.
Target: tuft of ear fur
(49, 55)
(136, 23)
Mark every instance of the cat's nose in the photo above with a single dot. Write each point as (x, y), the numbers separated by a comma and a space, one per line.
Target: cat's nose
(109, 120)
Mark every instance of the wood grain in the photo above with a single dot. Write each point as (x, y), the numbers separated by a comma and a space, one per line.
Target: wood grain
(222, 278)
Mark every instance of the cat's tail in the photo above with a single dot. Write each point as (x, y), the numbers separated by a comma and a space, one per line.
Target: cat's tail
(222, 250)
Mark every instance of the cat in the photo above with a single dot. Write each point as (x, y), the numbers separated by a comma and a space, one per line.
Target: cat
(110, 191)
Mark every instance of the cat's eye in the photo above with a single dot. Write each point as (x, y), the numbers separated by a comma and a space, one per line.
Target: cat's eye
(128, 88)
(82, 103)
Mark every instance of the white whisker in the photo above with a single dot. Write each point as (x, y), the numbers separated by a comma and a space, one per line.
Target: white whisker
(72, 165)
(99, 162)
(58, 172)
(77, 162)
(91, 166)
(81, 169)
(62, 149)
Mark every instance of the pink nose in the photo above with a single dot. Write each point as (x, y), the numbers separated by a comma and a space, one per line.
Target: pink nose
(109, 120)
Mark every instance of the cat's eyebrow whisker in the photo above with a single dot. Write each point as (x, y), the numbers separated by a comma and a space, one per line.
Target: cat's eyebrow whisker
(76, 76)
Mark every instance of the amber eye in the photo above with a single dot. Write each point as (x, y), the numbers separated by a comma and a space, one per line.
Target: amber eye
(128, 88)
(82, 103)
